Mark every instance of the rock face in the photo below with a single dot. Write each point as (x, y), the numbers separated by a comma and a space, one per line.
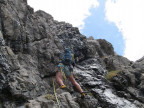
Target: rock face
(30, 44)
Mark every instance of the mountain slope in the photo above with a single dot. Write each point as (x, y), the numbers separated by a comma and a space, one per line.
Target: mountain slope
(30, 44)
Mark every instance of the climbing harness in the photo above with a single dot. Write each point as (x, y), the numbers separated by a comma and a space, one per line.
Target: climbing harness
(63, 74)
(56, 95)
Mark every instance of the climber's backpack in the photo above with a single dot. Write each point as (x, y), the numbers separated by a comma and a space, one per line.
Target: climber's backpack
(68, 56)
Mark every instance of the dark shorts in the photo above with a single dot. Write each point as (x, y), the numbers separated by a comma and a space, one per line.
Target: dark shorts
(66, 69)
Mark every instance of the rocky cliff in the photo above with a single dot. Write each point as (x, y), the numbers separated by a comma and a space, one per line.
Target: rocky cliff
(30, 44)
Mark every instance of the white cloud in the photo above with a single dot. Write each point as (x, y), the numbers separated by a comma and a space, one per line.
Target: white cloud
(126, 14)
(129, 18)
(71, 11)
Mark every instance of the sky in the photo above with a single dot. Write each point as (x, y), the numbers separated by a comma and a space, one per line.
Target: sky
(120, 22)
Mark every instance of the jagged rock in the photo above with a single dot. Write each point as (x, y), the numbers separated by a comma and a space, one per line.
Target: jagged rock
(88, 102)
(128, 82)
(30, 45)
(65, 99)
(99, 86)
(116, 62)
(139, 65)
(99, 47)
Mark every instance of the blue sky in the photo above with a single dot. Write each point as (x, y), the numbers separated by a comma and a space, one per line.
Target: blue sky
(99, 27)
(120, 22)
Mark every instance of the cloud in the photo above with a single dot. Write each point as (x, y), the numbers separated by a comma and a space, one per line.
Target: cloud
(71, 11)
(126, 14)
(128, 17)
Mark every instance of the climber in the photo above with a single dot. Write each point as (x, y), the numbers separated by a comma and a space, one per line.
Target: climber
(65, 66)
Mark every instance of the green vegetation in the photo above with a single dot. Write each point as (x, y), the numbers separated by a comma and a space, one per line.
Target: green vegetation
(88, 93)
(111, 74)
(50, 97)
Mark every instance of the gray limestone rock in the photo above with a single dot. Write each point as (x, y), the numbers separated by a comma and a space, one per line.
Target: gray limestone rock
(30, 45)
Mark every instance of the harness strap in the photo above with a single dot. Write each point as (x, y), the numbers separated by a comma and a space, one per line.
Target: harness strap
(63, 74)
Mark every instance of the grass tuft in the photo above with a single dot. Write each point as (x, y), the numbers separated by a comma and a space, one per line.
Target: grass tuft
(111, 74)
(50, 97)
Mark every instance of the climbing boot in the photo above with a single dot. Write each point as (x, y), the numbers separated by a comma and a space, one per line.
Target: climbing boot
(82, 95)
(63, 86)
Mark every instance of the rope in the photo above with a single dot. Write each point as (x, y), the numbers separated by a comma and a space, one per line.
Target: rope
(56, 95)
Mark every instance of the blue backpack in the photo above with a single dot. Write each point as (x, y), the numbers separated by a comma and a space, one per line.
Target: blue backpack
(68, 57)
